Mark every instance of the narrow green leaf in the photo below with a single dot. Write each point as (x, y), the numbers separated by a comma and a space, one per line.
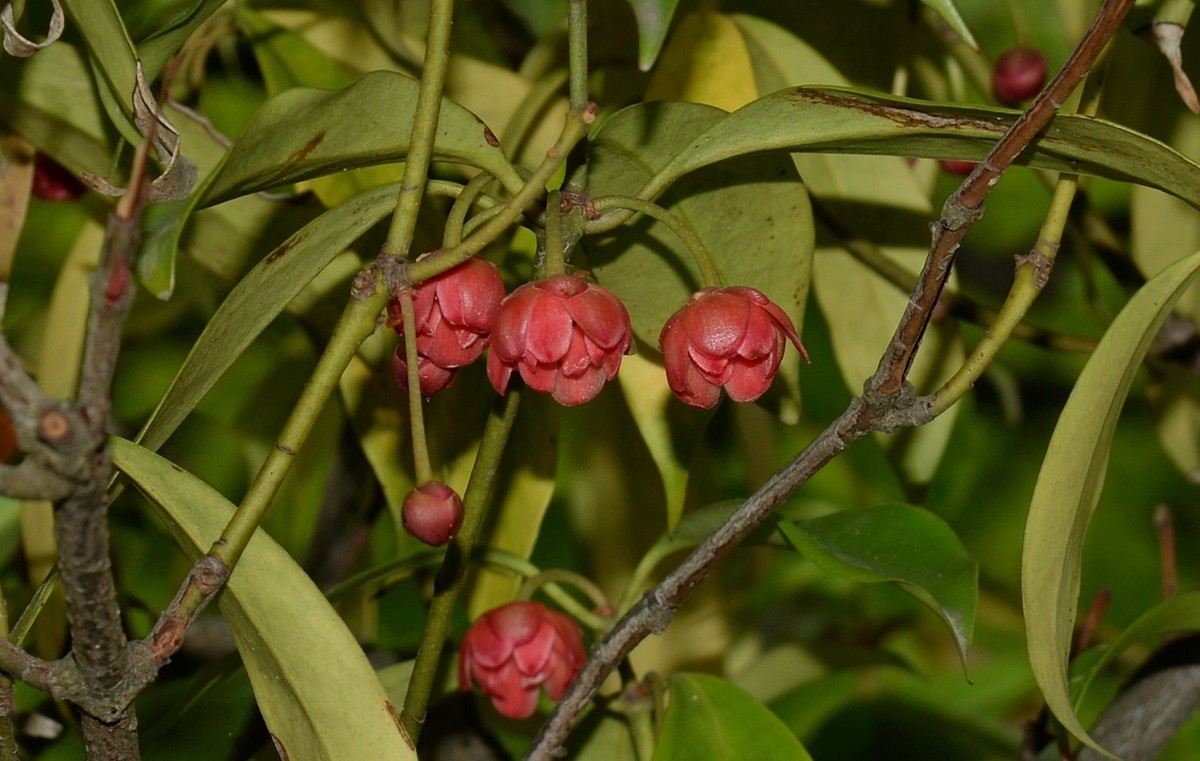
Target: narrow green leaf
(113, 57)
(305, 133)
(710, 718)
(257, 300)
(949, 12)
(318, 693)
(1070, 481)
(903, 544)
(653, 20)
(836, 120)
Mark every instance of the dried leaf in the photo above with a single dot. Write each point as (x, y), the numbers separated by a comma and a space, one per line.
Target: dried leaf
(16, 44)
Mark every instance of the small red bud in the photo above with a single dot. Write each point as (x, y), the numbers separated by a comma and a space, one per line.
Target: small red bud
(432, 512)
(952, 166)
(1018, 75)
(53, 182)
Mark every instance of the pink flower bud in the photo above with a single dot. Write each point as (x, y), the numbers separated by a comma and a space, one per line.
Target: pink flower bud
(1018, 76)
(725, 337)
(563, 335)
(432, 512)
(514, 650)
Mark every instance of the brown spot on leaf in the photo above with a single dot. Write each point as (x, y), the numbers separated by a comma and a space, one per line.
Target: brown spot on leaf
(400, 725)
(308, 148)
(284, 248)
(282, 751)
(490, 137)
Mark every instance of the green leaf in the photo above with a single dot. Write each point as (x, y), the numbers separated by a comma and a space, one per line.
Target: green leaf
(836, 120)
(1177, 614)
(318, 693)
(653, 21)
(710, 718)
(752, 215)
(1070, 481)
(949, 12)
(902, 544)
(257, 300)
(112, 56)
(305, 133)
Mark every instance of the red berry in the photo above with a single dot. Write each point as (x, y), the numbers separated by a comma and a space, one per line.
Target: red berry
(514, 650)
(563, 335)
(725, 337)
(432, 512)
(1018, 75)
(53, 182)
(957, 167)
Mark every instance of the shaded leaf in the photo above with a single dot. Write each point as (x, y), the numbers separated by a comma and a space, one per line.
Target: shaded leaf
(899, 543)
(257, 300)
(1177, 614)
(112, 56)
(304, 133)
(1070, 481)
(710, 718)
(824, 119)
(154, 51)
(653, 21)
(318, 693)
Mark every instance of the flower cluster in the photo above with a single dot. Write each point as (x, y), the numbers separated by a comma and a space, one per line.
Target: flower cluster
(565, 336)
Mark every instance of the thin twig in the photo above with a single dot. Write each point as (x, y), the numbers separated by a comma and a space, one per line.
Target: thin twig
(888, 403)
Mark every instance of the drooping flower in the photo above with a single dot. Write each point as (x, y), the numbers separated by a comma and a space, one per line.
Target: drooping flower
(513, 651)
(563, 335)
(433, 513)
(732, 338)
(454, 312)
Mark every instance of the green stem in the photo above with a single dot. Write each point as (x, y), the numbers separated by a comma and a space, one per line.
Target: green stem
(1020, 28)
(424, 130)
(1032, 273)
(640, 715)
(577, 63)
(704, 261)
(416, 412)
(522, 567)
(356, 324)
(556, 258)
(573, 131)
(450, 577)
(457, 218)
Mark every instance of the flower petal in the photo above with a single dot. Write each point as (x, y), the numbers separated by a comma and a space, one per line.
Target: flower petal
(715, 323)
(570, 391)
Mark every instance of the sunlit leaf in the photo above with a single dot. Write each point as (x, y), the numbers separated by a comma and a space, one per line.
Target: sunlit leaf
(1071, 480)
(318, 693)
(705, 62)
(303, 133)
(653, 20)
(710, 718)
(900, 543)
(257, 300)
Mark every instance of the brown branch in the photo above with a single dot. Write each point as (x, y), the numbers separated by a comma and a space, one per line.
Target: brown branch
(887, 404)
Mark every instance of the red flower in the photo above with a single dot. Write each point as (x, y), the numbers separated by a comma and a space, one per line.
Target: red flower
(563, 335)
(454, 313)
(731, 337)
(432, 512)
(513, 650)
